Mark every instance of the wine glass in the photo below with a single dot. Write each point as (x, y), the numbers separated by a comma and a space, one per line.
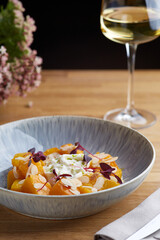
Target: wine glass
(131, 22)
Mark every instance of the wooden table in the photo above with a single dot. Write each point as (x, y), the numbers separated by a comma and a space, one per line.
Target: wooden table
(88, 93)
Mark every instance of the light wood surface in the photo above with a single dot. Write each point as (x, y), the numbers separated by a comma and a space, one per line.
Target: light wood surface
(88, 93)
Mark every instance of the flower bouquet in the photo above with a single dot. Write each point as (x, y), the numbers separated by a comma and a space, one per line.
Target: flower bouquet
(20, 67)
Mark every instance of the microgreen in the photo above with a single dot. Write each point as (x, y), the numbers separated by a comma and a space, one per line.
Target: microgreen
(118, 179)
(32, 150)
(87, 159)
(42, 186)
(54, 172)
(29, 162)
(79, 147)
(89, 169)
(37, 156)
(107, 170)
(58, 177)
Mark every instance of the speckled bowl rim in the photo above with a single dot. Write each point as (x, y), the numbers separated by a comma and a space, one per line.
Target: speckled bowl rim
(85, 194)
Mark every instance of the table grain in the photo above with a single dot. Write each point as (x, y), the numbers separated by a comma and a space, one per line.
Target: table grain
(88, 93)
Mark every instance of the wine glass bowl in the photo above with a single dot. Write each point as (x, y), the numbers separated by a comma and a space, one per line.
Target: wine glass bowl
(131, 23)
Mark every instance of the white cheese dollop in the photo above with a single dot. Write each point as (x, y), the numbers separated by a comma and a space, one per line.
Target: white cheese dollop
(72, 164)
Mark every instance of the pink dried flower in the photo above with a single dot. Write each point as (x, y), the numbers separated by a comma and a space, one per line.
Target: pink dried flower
(19, 19)
(26, 72)
(5, 76)
(27, 24)
(21, 73)
(18, 5)
(29, 28)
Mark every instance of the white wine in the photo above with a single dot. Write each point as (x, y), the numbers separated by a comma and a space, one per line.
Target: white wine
(130, 24)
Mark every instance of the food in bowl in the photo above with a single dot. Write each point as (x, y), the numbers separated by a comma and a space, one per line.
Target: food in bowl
(136, 156)
(63, 171)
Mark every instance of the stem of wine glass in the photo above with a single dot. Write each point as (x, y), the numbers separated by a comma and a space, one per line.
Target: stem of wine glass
(131, 55)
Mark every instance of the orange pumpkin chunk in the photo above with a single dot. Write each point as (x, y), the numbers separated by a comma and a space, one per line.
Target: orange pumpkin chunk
(21, 161)
(118, 171)
(10, 179)
(39, 166)
(60, 189)
(51, 150)
(85, 189)
(17, 185)
(109, 184)
(20, 156)
(97, 181)
(36, 184)
(67, 148)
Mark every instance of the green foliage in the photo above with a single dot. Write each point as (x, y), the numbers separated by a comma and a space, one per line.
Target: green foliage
(10, 34)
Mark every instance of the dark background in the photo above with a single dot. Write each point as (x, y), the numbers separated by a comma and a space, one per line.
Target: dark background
(68, 36)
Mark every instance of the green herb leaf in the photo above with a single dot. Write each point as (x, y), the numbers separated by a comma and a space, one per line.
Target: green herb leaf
(11, 36)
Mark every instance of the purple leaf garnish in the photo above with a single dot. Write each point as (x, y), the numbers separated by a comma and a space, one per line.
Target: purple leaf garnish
(42, 186)
(105, 167)
(32, 150)
(82, 148)
(86, 158)
(58, 177)
(79, 147)
(29, 162)
(74, 151)
(118, 179)
(107, 170)
(105, 174)
(54, 172)
(89, 169)
(39, 156)
(63, 175)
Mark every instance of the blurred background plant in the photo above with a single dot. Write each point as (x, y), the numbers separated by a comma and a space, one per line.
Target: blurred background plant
(20, 67)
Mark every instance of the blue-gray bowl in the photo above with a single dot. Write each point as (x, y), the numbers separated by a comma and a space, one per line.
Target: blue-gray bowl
(135, 153)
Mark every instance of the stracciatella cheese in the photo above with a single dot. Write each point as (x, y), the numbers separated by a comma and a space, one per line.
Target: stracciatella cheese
(72, 164)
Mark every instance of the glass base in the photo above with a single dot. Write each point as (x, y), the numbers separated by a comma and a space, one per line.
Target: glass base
(136, 119)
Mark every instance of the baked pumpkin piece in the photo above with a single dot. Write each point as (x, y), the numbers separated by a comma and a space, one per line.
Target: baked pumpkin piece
(51, 150)
(86, 189)
(110, 183)
(36, 184)
(25, 165)
(67, 148)
(20, 162)
(96, 181)
(60, 189)
(10, 179)
(35, 168)
(17, 185)
(118, 171)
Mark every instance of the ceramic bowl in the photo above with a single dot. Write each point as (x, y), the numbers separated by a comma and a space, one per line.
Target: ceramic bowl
(135, 153)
